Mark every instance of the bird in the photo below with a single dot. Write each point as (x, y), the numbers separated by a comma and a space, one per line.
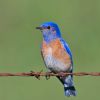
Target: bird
(57, 55)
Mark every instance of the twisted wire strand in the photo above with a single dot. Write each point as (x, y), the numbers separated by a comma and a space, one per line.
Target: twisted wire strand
(47, 74)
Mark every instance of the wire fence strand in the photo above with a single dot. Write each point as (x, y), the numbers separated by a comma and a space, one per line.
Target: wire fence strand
(48, 74)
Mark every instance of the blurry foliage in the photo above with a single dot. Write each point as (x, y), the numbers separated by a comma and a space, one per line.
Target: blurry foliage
(79, 21)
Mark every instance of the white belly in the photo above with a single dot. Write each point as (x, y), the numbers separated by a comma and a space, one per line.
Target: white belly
(53, 64)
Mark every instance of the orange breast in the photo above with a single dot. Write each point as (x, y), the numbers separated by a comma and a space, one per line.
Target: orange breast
(58, 51)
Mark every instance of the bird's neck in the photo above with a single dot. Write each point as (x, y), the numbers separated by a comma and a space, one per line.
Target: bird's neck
(49, 38)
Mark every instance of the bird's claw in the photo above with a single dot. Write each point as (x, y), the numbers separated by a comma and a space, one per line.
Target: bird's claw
(61, 74)
(47, 76)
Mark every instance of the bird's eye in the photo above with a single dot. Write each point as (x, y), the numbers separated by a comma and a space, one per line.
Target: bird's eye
(48, 27)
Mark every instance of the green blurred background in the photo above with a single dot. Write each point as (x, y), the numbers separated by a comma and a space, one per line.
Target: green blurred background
(79, 21)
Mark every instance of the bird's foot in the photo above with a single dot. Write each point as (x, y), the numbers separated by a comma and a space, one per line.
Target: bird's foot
(61, 75)
(47, 76)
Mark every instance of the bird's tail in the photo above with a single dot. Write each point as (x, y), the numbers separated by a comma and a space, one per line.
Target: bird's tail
(69, 88)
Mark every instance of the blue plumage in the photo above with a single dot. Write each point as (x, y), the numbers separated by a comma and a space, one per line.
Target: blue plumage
(57, 55)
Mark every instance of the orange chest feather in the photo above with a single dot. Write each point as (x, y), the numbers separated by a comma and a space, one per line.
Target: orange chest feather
(56, 49)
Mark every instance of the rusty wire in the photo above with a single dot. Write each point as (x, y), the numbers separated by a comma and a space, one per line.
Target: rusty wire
(45, 74)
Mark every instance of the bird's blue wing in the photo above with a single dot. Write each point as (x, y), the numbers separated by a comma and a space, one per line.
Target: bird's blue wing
(66, 47)
(68, 81)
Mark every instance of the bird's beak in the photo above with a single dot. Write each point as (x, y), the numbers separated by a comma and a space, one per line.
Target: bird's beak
(40, 28)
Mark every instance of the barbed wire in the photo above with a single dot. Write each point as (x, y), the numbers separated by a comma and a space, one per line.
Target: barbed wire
(49, 74)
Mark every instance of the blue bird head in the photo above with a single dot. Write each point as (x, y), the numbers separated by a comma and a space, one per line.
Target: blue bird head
(50, 31)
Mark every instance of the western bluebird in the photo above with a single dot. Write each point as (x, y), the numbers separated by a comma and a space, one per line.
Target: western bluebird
(57, 55)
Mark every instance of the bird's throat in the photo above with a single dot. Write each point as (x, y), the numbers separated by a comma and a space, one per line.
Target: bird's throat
(49, 38)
